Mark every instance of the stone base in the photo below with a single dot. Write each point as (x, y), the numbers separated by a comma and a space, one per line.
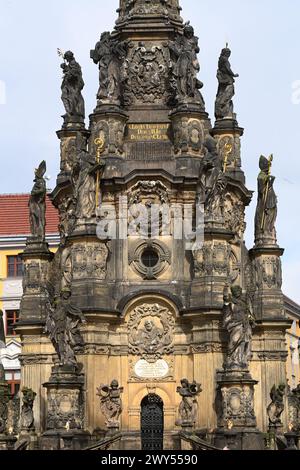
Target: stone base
(227, 124)
(7, 442)
(36, 247)
(239, 439)
(65, 440)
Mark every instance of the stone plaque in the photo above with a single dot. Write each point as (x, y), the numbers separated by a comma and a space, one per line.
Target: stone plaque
(155, 370)
(148, 132)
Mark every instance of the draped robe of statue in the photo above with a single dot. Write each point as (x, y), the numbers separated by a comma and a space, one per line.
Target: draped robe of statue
(226, 91)
(266, 211)
(72, 87)
(85, 190)
(37, 204)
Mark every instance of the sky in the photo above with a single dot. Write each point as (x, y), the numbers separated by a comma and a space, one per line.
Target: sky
(265, 41)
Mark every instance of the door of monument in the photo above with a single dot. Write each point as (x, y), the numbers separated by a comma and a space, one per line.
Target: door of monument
(152, 422)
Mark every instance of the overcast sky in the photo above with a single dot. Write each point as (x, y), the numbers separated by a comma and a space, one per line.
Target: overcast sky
(264, 37)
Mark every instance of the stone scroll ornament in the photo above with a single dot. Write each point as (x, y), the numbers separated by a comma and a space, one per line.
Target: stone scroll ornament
(185, 68)
(266, 211)
(37, 204)
(72, 86)
(62, 326)
(111, 403)
(27, 417)
(110, 54)
(276, 407)
(151, 330)
(238, 320)
(226, 91)
(188, 407)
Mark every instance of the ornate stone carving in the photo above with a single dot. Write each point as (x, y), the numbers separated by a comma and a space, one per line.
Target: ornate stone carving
(111, 132)
(142, 191)
(234, 216)
(238, 405)
(37, 204)
(145, 74)
(208, 348)
(150, 272)
(276, 407)
(266, 211)
(130, 8)
(185, 67)
(4, 399)
(238, 320)
(62, 326)
(188, 408)
(294, 409)
(68, 152)
(268, 272)
(110, 54)
(188, 135)
(213, 259)
(27, 417)
(111, 403)
(151, 331)
(67, 218)
(65, 409)
(72, 87)
(225, 76)
(90, 260)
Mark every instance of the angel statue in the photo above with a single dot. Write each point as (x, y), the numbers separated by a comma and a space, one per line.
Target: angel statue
(188, 407)
(37, 204)
(276, 407)
(111, 403)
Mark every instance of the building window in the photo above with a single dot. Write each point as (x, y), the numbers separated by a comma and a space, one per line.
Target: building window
(12, 317)
(14, 266)
(13, 378)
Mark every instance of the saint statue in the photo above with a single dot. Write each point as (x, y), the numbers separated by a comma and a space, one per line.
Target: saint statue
(111, 402)
(238, 320)
(37, 204)
(188, 407)
(276, 407)
(62, 326)
(27, 417)
(186, 67)
(266, 211)
(72, 87)
(226, 79)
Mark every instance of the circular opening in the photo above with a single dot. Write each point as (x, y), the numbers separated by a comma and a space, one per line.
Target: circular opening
(150, 258)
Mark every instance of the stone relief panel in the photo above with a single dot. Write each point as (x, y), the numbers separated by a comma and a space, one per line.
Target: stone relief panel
(65, 406)
(145, 74)
(229, 148)
(268, 272)
(130, 8)
(68, 152)
(188, 135)
(237, 406)
(90, 260)
(234, 215)
(151, 332)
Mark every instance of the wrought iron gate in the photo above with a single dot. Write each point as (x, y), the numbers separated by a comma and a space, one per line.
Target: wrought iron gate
(152, 423)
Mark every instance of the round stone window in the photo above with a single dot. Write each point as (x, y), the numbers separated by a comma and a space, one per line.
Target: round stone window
(150, 258)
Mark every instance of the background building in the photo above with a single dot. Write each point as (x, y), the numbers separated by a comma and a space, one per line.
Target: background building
(14, 230)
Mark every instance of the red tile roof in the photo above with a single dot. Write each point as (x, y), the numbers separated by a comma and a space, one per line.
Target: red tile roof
(14, 217)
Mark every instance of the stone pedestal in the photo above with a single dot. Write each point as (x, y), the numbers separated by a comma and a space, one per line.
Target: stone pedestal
(7, 442)
(72, 141)
(65, 410)
(236, 417)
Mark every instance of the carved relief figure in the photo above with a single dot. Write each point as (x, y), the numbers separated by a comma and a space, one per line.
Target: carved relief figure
(37, 204)
(72, 87)
(184, 52)
(266, 211)
(225, 76)
(238, 320)
(27, 417)
(109, 54)
(276, 407)
(62, 326)
(111, 402)
(188, 407)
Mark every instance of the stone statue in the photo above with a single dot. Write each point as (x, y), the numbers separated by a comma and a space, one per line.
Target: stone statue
(109, 54)
(62, 326)
(238, 320)
(226, 79)
(188, 407)
(37, 204)
(266, 211)
(111, 403)
(294, 409)
(85, 185)
(4, 399)
(72, 87)
(27, 418)
(2, 333)
(276, 407)
(183, 53)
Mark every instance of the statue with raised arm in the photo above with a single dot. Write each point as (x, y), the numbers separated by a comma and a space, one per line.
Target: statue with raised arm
(111, 402)
(37, 204)
(266, 211)
(62, 326)
(226, 78)
(186, 67)
(109, 54)
(71, 88)
(188, 407)
(238, 320)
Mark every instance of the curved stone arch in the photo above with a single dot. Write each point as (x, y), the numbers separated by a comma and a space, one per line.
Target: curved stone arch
(150, 298)
(143, 391)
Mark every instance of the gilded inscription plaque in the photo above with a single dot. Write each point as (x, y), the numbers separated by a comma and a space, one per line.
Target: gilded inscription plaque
(148, 132)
